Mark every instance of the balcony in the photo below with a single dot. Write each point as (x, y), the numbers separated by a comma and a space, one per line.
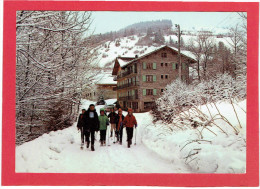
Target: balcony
(128, 85)
(125, 98)
(124, 74)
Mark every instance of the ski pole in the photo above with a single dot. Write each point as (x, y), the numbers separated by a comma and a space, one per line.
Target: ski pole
(114, 135)
(135, 134)
(108, 139)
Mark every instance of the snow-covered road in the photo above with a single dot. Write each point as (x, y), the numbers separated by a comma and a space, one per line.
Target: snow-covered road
(60, 152)
(159, 149)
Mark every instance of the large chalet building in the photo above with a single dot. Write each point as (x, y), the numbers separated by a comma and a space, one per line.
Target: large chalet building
(140, 80)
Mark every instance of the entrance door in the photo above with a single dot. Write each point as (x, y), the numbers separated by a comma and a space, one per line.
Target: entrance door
(136, 94)
(124, 104)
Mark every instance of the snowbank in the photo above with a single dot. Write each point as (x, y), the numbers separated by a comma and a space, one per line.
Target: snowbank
(214, 152)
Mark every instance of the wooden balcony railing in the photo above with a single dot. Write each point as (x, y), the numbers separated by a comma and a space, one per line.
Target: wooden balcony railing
(128, 85)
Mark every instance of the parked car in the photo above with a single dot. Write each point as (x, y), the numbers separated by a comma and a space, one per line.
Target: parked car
(101, 101)
(109, 107)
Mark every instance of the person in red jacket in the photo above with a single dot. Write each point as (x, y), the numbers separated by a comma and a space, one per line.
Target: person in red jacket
(129, 122)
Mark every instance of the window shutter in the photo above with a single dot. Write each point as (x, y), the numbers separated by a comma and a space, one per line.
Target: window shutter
(174, 66)
(154, 65)
(144, 92)
(144, 77)
(144, 65)
(154, 77)
(183, 66)
(133, 92)
(154, 92)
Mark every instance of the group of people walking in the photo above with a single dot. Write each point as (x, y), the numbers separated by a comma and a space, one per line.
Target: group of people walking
(89, 122)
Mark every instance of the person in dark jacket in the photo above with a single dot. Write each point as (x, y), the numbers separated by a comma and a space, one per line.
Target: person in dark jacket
(112, 117)
(119, 125)
(130, 122)
(91, 124)
(80, 126)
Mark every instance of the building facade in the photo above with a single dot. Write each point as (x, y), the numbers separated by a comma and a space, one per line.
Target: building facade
(141, 80)
(103, 86)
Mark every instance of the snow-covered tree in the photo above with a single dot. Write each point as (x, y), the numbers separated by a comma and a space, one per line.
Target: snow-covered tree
(53, 56)
(221, 87)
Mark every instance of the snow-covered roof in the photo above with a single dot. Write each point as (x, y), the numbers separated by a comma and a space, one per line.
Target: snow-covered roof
(187, 54)
(124, 60)
(105, 78)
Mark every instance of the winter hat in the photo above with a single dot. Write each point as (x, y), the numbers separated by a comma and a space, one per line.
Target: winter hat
(102, 109)
(130, 110)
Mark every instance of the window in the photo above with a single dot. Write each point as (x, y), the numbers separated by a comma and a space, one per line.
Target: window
(149, 105)
(166, 76)
(149, 78)
(161, 76)
(149, 91)
(164, 55)
(135, 105)
(149, 66)
(162, 64)
(177, 66)
(166, 64)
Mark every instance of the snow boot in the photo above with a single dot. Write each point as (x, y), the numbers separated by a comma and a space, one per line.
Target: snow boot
(101, 143)
(120, 142)
(81, 146)
(128, 144)
(92, 148)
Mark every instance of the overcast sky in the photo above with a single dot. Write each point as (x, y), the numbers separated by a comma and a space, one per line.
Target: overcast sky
(105, 21)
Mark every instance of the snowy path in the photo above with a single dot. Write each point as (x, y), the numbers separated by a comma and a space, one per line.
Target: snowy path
(60, 152)
(55, 153)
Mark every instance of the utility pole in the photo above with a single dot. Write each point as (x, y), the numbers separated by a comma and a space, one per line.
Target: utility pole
(179, 49)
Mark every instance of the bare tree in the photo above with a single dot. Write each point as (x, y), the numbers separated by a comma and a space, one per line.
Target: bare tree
(196, 48)
(236, 39)
(207, 42)
(202, 48)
